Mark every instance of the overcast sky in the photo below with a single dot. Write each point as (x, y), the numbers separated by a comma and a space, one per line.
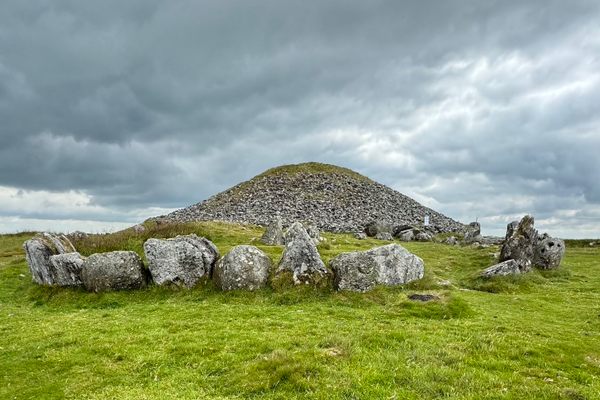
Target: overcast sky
(115, 111)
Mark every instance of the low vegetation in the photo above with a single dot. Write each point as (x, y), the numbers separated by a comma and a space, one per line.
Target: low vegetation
(536, 336)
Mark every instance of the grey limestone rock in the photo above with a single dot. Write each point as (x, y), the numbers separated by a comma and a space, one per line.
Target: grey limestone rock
(181, 261)
(549, 252)
(508, 267)
(424, 237)
(520, 242)
(389, 265)
(67, 269)
(273, 235)
(407, 236)
(38, 251)
(117, 270)
(360, 235)
(378, 227)
(301, 257)
(244, 267)
(384, 236)
(473, 233)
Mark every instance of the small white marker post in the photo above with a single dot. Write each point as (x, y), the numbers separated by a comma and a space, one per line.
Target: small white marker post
(426, 222)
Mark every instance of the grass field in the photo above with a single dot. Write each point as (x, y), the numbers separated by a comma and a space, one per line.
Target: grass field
(531, 337)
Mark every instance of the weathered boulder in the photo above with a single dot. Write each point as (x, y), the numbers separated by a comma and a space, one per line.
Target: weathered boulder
(384, 236)
(424, 236)
(356, 271)
(386, 265)
(452, 241)
(139, 228)
(180, 261)
(301, 257)
(399, 229)
(244, 267)
(117, 270)
(67, 269)
(520, 243)
(313, 232)
(407, 236)
(38, 251)
(508, 267)
(549, 252)
(273, 235)
(360, 235)
(376, 227)
(473, 233)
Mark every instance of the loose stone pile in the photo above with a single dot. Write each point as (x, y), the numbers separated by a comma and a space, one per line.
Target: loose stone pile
(524, 249)
(330, 198)
(188, 260)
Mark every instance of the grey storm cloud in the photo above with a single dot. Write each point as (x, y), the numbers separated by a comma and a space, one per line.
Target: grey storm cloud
(143, 104)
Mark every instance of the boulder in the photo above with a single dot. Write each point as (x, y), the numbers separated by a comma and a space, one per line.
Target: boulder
(38, 251)
(520, 243)
(313, 232)
(356, 271)
(244, 267)
(384, 236)
(508, 267)
(360, 235)
(407, 236)
(399, 229)
(549, 252)
(376, 227)
(452, 241)
(424, 236)
(67, 269)
(387, 265)
(117, 270)
(181, 261)
(139, 228)
(301, 257)
(273, 235)
(473, 233)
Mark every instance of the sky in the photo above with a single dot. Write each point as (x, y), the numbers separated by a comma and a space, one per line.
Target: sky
(115, 111)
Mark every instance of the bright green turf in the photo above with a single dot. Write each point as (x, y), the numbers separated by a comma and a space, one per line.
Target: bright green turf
(535, 337)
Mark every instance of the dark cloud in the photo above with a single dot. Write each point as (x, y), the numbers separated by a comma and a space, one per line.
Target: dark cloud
(477, 108)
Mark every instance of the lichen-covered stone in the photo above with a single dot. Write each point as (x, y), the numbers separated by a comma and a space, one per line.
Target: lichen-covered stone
(117, 270)
(384, 236)
(67, 269)
(549, 252)
(301, 257)
(273, 235)
(38, 251)
(181, 261)
(508, 267)
(520, 243)
(244, 267)
(389, 265)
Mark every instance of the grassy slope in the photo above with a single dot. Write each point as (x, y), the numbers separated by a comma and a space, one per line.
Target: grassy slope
(536, 337)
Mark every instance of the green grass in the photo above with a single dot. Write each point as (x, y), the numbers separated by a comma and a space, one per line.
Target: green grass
(532, 337)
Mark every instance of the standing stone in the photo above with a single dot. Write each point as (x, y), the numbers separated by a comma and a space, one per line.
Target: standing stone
(313, 232)
(520, 243)
(473, 233)
(67, 269)
(244, 267)
(388, 265)
(273, 235)
(181, 261)
(549, 252)
(38, 251)
(301, 257)
(117, 270)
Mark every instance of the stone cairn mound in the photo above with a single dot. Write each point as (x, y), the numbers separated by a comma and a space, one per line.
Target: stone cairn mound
(330, 198)
(189, 260)
(524, 249)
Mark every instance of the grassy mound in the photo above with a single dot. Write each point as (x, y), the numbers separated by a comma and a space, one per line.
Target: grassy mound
(534, 336)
